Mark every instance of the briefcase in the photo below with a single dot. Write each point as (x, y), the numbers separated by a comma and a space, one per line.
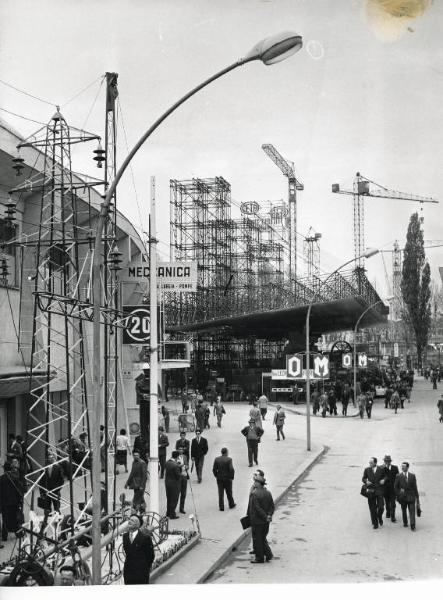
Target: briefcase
(245, 522)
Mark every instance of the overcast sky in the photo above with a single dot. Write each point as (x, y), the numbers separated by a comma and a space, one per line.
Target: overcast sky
(364, 94)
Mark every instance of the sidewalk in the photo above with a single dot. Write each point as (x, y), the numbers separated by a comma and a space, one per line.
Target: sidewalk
(283, 463)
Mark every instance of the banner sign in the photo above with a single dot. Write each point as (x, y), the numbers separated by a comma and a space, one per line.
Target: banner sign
(171, 276)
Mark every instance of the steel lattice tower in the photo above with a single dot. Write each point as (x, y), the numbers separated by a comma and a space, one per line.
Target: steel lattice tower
(59, 407)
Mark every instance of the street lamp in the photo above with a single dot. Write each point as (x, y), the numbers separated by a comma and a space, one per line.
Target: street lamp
(355, 341)
(369, 252)
(271, 50)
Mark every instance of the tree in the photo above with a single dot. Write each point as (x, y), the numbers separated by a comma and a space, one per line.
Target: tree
(416, 285)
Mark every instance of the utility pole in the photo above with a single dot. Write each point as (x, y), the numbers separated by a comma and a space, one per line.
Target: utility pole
(153, 360)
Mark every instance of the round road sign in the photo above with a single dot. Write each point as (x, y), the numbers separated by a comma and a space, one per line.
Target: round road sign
(137, 326)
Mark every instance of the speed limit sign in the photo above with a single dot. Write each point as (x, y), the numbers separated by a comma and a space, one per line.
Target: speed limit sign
(137, 325)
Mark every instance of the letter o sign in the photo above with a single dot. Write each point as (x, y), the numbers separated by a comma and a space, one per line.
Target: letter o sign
(347, 361)
(294, 366)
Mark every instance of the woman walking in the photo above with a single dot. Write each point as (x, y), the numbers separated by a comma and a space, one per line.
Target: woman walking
(122, 445)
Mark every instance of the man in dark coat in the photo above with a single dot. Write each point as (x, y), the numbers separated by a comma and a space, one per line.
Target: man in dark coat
(137, 480)
(405, 487)
(260, 511)
(184, 444)
(253, 435)
(11, 501)
(163, 443)
(51, 484)
(139, 553)
(374, 479)
(172, 484)
(199, 449)
(391, 472)
(200, 416)
(223, 470)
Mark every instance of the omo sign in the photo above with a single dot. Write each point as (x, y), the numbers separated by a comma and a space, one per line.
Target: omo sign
(296, 366)
(347, 361)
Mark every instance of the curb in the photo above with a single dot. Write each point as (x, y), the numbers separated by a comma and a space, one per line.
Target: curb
(173, 559)
(300, 473)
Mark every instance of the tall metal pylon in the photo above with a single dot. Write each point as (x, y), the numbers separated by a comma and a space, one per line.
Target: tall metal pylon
(58, 304)
(111, 299)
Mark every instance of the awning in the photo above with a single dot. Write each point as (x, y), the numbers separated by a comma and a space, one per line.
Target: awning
(15, 381)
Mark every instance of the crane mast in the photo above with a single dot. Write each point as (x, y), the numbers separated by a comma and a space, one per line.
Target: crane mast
(287, 168)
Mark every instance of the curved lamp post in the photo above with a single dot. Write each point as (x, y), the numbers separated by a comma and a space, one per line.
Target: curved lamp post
(271, 50)
(369, 252)
(355, 342)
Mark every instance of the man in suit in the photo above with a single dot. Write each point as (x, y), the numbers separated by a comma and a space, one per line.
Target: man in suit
(199, 449)
(137, 480)
(406, 491)
(279, 421)
(51, 484)
(223, 470)
(391, 472)
(172, 484)
(139, 553)
(182, 460)
(374, 479)
(184, 444)
(253, 435)
(260, 511)
(163, 443)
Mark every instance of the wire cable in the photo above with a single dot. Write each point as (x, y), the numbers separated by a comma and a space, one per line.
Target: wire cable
(22, 117)
(102, 77)
(27, 94)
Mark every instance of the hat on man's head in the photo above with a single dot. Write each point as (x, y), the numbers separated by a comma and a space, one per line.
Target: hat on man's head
(387, 457)
(161, 428)
(260, 479)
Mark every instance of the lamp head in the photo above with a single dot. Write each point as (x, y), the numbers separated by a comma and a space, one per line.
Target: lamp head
(371, 252)
(275, 48)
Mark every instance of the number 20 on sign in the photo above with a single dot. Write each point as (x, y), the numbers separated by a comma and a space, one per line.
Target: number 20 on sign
(137, 325)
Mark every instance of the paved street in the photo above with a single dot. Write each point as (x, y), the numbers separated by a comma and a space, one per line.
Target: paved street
(322, 531)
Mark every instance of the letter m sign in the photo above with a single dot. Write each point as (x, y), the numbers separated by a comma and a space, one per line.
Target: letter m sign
(321, 366)
(294, 365)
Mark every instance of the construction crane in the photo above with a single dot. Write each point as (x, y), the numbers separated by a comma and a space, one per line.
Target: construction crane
(287, 168)
(362, 189)
(311, 251)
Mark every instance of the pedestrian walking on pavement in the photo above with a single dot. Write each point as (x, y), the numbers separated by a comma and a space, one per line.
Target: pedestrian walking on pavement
(406, 491)
(166, 417)
(263, 405)
(172, 484)
(223, 471)
(51, 484)
(199, 449)
(260, 511)
(253, 435)
(200, 416)
(361, 405)
(183, 461)
(219, 411)
(434, 378)
(391, 472)
(255, 414)
(139, 553)
(395, 400)
(137, 481)
(324, 403)
(369, 403)
(315, 397)
(374, 479)
(163, 443)
(11, 501)
(184, 443)
(345, 396)
(440, 408)
(279, 421)
(122, 447)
